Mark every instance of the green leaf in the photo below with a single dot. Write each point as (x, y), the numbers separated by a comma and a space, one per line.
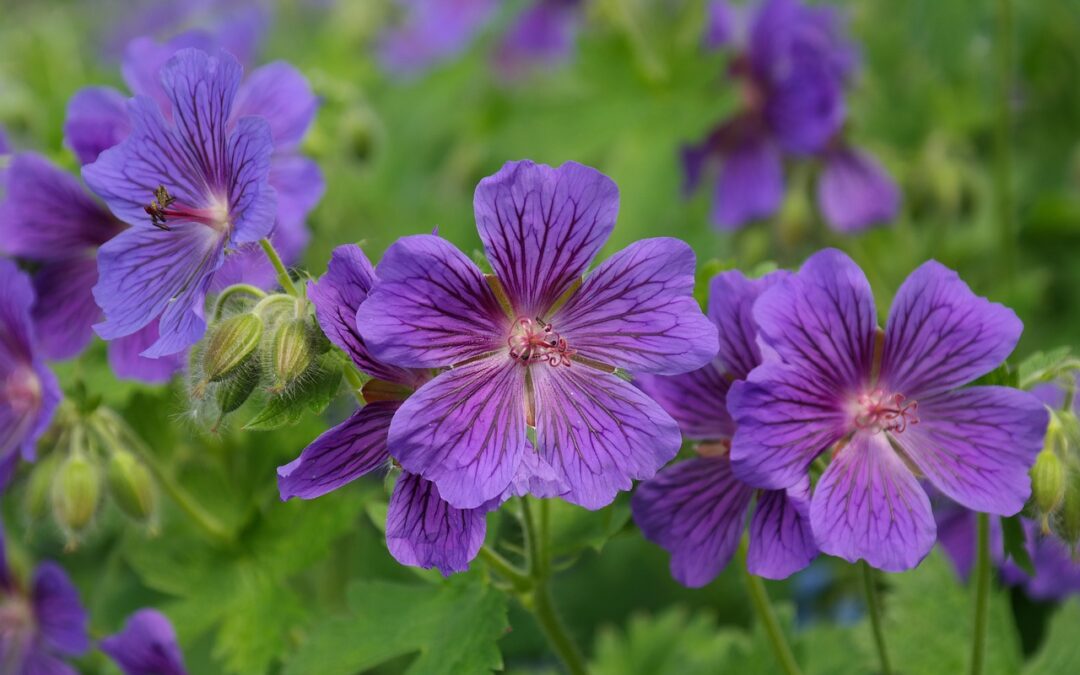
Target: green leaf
(1016, 544)
(1060, 651)
(672, 642)
(312, 396)
(574, 528)
(454, 628)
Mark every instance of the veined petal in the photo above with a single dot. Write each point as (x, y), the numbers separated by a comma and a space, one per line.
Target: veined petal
(60, 616)
(599, 432)
(432, 307)
(145, 273)
(940, 335)
(784, 418)
(696, 400)
(128, 363)
(977, 445)
(336, 296)
(252, 200)
(146, 646)
(299, 184)
(65, 311)
(144, 57)
(465, 430)
(281, 95)
(781, 540)
(822, 320)
(535, 477)
(542, 226)
(731, 303)
(341, 455)
(750, 185)
(96, 120)
(696, 510)
(637, 311)
(423, 530)
(868, 505)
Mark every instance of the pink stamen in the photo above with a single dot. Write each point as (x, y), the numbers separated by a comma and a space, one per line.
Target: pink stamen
(535, 341)
(880, 412)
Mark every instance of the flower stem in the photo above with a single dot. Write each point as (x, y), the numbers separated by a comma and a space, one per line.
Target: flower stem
(506, 569)
(356, 382)
(223, 297)
(279, 267)
(759, 596)
(873, 608)
(982, 595)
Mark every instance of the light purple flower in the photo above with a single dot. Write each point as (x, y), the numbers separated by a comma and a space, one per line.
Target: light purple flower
(29, 393)
(542, 35)
(432, 31)
(887, 406)
(41, 625)
(191, 188)
(146, 646)
(697, 509)
(533, 345)
(421, 530)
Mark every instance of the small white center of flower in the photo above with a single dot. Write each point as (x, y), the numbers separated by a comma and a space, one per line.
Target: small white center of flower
(877, 410)
(21, 390)
(535, 341)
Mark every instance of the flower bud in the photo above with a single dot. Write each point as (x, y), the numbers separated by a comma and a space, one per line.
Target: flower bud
(1065, 522)
(291, 353)
(39, 484)
(233, 392)
(1047, 481)
(230, 345)
(131, 486)
(75, 492)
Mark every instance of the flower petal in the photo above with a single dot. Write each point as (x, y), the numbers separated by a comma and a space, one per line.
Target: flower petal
(696, 510)
(868, 505)
(281, 95)
(432, 307)
(784, 418)
(599, 432)
(433, 31)
(781, 540)
(423, 530)
(144, 57)
(822, 320)
(977, 445)
(543, 35)
(536, 477)
(38, 662)
(341, 455)
(65, 310)
(855, 192)
(300, 185)
(696, 400)
(637, 311)
(465, 430)
(731, 302)
(542, 226)
(940, 335)
(722, 27)
(336, 296)
(128, 363)
(146, 646)
(60, 616)
(145, 273)
(750, 185)
(96, 120)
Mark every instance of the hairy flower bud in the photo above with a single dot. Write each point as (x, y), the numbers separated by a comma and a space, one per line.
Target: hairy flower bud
(1047, 481)
(230, 345)
(233, 392)
(1065, 522)
(131, 486)
(75, 492)
(291, 353)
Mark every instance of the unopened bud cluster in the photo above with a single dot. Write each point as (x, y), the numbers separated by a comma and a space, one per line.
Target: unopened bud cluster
(1055, 479)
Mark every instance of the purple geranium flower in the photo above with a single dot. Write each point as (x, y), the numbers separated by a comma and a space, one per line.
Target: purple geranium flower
(191, 187)
(697, 509)
(533, 345)
(887, 405)
(793, 67)
(29, 393)
(421, 530)
(40, 625)
(146, 646)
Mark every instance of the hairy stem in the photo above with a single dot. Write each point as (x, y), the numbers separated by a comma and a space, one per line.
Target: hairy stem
(759, 597)
(279, 267)
(235, 289)
(982, 596)
(873, 608)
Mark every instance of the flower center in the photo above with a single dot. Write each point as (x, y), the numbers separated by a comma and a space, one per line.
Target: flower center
(16, 626)
(877, 410)
(535, 341)
(165, 206)
(22, 390)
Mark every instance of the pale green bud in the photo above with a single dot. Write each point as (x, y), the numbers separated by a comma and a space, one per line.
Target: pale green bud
(1048, 481)
(230, 345)
(131, 485)
(76, 489)
(291, 353)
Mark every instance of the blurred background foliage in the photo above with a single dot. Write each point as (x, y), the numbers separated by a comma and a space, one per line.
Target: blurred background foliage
(308, 587)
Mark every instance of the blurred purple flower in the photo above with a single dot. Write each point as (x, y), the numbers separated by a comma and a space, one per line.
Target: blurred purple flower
(146, 646)
(884, 404)
(792, 70)
(29, 393)
(42, 625)
(542, 35)
(533, 345)
(697, 509)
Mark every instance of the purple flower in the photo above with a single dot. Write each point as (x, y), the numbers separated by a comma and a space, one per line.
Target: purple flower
(421, 530)
(854, 191)
(146, 646)
(190, 188)
(40, 625)
(542, 35)
(29, 393)
(887, 406)
(533, 345)
(697, 509)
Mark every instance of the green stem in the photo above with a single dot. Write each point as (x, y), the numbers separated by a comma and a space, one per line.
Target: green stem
(219, 306)
(521, 582)
(356, 382)
(1003, 138)
(279, 267)
(982, 596)
(873, 608)
(759, 596)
